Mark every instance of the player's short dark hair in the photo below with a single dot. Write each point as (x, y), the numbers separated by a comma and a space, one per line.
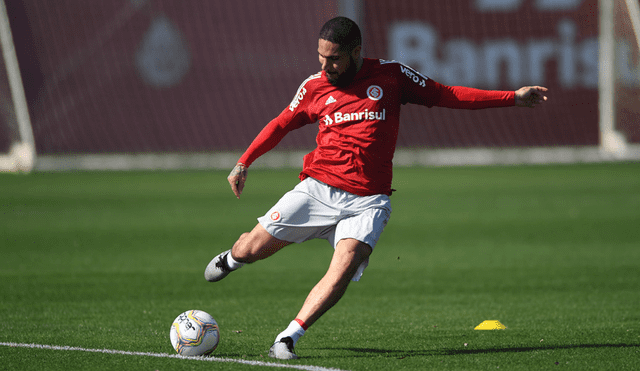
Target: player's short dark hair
(342, 31)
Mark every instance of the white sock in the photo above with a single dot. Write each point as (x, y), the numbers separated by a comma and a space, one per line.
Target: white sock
(232, 263)
(294, 331)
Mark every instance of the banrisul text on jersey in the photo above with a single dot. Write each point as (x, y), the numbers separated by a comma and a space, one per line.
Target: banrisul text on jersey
(340, 117)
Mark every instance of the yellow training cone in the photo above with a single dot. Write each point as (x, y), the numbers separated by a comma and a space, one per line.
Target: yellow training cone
(490, 325)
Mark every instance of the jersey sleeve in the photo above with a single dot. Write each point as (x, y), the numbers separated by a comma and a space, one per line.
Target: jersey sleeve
(292, 117)
(419, 89)
(469, 98)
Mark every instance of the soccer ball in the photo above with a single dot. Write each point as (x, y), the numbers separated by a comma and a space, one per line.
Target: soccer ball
(194, 333)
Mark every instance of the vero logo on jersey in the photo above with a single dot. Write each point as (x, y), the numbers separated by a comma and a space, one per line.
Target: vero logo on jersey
(301, 92)
(413, 75)
(366, 115)
(296, 100)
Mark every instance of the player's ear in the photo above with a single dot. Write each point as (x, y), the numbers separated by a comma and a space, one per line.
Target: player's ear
(356, 52)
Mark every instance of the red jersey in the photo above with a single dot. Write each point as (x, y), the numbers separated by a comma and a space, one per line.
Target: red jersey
(358, 124)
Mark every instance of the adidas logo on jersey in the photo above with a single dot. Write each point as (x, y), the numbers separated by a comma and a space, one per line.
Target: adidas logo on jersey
(330, 100)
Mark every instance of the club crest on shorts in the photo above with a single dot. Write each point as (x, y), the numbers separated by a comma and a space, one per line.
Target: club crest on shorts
(374, 92)
(275, 216)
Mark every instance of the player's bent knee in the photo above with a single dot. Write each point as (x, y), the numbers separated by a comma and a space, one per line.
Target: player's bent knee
(354, 249)
(242, 237)
(347, 258)
(242, 250)
(256, 245)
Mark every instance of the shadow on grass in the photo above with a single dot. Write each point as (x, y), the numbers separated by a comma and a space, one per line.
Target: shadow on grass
(401, 354)
(338, 352)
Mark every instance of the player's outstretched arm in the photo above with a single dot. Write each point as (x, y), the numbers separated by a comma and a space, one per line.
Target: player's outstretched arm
(530, 96)
(236, 179)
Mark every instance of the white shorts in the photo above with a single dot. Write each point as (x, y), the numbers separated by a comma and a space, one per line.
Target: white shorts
(316, 210)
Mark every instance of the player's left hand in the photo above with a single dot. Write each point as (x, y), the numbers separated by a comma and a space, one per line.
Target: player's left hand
(530, 96)
(236, 179)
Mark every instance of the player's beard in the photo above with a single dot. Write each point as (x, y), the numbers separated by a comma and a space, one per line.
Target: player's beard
(344, 79)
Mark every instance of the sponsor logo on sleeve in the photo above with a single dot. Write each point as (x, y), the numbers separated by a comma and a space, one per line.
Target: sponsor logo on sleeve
(416, 77)
(301, 92)
(296, 100)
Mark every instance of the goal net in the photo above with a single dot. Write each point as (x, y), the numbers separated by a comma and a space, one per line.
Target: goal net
(188, 84)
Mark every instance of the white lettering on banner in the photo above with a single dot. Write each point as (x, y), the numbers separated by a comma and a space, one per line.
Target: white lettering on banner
(512, 5)
(466, 63)
(365, 115)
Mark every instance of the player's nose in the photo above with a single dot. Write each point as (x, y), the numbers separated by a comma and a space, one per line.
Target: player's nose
(324, 64)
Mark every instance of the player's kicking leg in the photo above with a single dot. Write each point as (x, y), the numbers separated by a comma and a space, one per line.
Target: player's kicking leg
(250, 247)
(348, 256)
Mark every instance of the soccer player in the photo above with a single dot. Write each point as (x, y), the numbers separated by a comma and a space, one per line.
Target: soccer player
(343, 195)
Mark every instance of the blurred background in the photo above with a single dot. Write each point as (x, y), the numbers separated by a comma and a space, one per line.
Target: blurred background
(127, 84)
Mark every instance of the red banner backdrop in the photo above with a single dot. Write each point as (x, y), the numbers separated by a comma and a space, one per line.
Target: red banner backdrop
(164, 75)
(201, 76)
(496, 44)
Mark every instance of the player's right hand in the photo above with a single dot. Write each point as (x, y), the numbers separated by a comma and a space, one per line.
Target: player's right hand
(236, 179)
(531, 96)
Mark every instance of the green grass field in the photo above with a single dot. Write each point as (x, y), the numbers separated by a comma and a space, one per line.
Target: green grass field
(107, 260)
